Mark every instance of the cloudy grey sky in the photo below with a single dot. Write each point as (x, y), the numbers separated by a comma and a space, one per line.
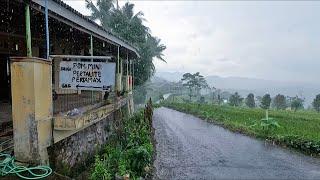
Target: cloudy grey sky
(269, 40)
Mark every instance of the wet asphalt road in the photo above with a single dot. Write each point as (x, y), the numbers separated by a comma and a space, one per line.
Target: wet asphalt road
(190, 148)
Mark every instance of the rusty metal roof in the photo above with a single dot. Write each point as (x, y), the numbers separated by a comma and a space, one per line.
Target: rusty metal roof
(66, 11)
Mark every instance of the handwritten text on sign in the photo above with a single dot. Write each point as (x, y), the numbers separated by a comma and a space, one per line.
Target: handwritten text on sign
(77, 75)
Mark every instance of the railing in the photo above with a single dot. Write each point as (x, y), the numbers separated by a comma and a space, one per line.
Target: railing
(6, 130)
(69, 101)
(73, 101)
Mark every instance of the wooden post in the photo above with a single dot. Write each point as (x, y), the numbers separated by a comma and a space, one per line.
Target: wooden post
(131, 103)
(91, 52)
(31, 86)
(91, 46)
(127, 73)
(118, 74)
(47, 29)
(130, 75)
(28, 30)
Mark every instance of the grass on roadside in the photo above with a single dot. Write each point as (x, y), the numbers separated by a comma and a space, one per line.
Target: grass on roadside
(299, 130)
(128, 155)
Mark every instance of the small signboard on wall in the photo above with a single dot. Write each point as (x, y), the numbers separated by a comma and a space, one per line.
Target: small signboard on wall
(97, 76)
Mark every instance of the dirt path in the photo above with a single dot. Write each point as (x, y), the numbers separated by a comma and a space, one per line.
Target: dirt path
(190, 148)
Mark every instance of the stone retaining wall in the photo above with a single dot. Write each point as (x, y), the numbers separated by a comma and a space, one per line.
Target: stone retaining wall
(72, 155)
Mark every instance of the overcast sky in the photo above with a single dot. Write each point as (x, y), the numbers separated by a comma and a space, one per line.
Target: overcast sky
(269, 40)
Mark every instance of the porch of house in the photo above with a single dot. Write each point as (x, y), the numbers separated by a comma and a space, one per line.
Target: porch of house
(70, 34)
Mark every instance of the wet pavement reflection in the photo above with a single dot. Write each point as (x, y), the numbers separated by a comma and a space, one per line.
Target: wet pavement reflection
(190, 148)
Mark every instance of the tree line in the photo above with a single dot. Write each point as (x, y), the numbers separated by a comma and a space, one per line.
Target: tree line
(195, 82)
(279, 102)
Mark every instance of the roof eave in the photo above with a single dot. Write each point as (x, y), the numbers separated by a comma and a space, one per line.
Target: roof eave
(64, 10)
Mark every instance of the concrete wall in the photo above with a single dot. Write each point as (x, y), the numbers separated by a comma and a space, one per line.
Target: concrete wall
(72, 155)
(36, 130)
(31, 108)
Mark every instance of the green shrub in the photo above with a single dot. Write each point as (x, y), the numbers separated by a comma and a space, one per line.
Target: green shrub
(129, 154)
(100, 170)
(139, 158)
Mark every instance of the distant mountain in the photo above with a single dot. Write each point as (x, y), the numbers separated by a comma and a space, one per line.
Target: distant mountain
(261, 84)
(170, 76)
(259, 87)
(157, 79)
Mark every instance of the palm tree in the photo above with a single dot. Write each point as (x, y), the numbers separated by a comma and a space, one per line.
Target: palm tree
(123, 22)
(102, 11)
(156, 48)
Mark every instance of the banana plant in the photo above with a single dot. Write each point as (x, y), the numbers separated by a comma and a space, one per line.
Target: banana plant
(268, 123)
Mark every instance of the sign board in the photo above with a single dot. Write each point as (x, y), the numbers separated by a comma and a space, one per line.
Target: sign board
(98, 76)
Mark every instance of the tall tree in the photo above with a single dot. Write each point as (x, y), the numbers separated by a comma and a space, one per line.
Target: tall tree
(213, 91)
(124, 23)
(194, 82)
(265, 101)
(235, 99)
(219, 99)
(250, 101)
(200, 82)
(316, 103)
(188, 81)
(279, 102)
(297, 103)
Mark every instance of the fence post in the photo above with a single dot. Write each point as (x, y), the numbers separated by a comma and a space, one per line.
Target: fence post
(28, 30)
(118, 73)
(31, 86)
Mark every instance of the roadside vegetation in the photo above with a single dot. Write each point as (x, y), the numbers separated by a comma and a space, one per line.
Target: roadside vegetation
(129, 152)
